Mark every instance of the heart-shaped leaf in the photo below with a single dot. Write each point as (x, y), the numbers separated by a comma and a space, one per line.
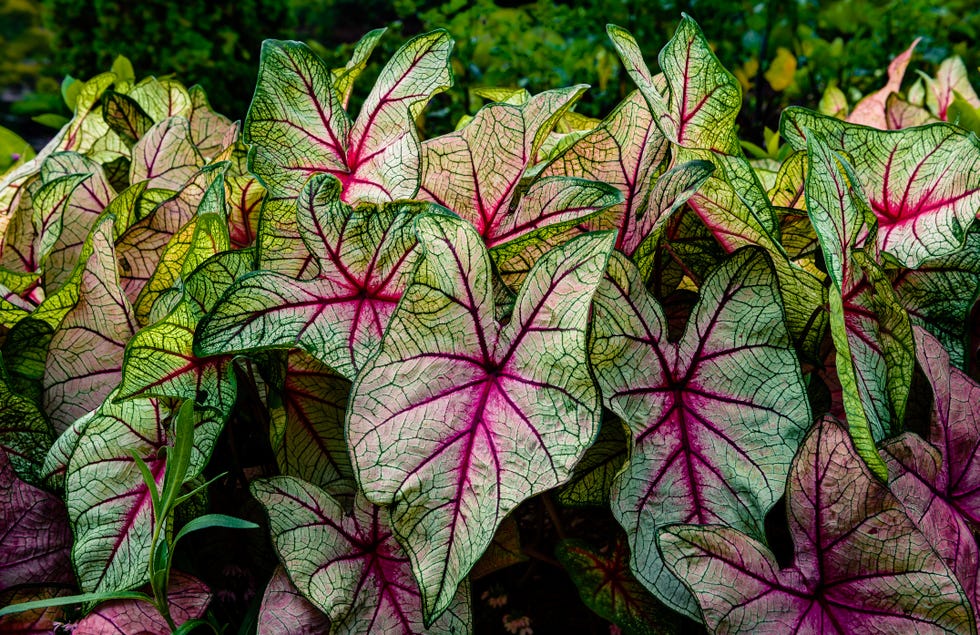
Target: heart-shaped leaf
(297, 125)
(285, 610)
(166, 155)
(366, 256)
(715, 418)
(861, 564)
(923, 184)
(481, 416)
(349, 566)
(307, 430)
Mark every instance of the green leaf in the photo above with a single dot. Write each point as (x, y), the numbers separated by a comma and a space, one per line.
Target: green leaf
(715, 417)
(166, 155)
(213, 520)
(607, 586)
(593, 477)
(125, 117)
(80, 599)
(343, 78)
(25, 434)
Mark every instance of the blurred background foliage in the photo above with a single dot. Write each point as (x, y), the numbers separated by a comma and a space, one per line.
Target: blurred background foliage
(783, 52)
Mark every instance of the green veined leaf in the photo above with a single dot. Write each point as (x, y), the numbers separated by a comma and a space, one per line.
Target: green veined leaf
(357, 574)
(485, 415)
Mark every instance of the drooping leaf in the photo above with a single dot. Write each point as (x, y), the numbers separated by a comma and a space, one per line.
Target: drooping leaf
(861, 565)
(940, 293)
(871, 110)
(166, 155)
(480, 416)
(109, 504)
(187, 598)
(871, 331)
(349, 566)
(35, 531)
(923, 184)
(285, 610)
(297, 126)
(365, 255)
(308, 429)
(715, 418)
(608, 587)
(84, 361)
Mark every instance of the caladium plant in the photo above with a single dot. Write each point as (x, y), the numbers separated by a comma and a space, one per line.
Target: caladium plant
(429, 363)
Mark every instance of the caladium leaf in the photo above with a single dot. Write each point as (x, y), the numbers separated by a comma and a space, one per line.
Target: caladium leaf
(109, 504)
(915, 472)
(209, 130)
(624, 151)
(84, 362)
(476, 171)
(25, 434)
(697, 114)
(297, 125)
(940, 294)
(899, 114)
(205, 235)
(61, 244)
(871, 111)
(160, 362)
(343, 78)
(166, 155)
(951, 80)
(923, 184)
(706, 448)
(308, 429)
(125, 117)
(366, 257)
(503, 412)
(36, 536)
(140, 248)
(861, 564)
(162, 98)
(872, 333)
(187, 599)
(285, 610)
(956, 429)
(356, 572)
(608, 587)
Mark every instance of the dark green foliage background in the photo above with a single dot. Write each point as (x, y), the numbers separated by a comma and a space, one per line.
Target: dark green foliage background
(536, 45)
